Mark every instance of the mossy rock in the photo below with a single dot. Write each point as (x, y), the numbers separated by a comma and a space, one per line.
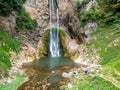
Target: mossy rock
(43, 51)
(63, 43)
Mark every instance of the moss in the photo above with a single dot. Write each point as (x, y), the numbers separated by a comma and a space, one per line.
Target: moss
(45, 40)
(62, 33)
(63, 42)
(43, 51)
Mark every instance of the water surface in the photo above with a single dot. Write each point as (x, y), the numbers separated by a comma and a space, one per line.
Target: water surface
(45, 73)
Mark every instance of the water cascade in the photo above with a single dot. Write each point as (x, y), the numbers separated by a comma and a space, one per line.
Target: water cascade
(54, 44)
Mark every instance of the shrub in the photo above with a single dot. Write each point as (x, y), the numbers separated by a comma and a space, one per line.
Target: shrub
(7, 44)
(81, 4)
(110, 18)
(6, 6)
(24, 21)
(89, 16)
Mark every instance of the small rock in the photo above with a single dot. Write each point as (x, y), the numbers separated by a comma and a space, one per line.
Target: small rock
(92, 70)
(53, 72)
(48, 84)
(69, 85)
(70, 73)
(65, 75)
(97, 71)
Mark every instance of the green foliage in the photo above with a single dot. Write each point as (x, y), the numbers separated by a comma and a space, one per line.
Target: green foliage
(62, 33)
(92, 83)
(107, 45)
(89, 16)
(107, 12)
(62, 41)
(104, 42)
(5, 56)
(7, 44)
(24, 21)
(14, 84)
(6, 6)
(81, 4)
(115, 63)
(110, 18)
(110, 5)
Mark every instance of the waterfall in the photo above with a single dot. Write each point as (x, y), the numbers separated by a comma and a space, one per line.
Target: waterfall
(54, 44)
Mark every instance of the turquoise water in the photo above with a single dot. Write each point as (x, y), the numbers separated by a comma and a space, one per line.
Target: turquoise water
(51, 63)
(46, 70)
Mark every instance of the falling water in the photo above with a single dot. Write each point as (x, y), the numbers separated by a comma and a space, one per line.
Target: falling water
(54, 44)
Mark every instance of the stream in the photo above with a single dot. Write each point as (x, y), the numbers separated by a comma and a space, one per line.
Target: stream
(45, 74)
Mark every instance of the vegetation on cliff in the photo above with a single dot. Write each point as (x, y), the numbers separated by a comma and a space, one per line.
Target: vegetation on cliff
(23, 19)
(7, 42)
(7, 6)
(106, 40)
(106, 12)
(7, 45)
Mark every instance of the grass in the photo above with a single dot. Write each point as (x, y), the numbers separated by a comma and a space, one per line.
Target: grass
(14, 84)
(7, 44)
(92, 83)
(104, 43)
(108, 48)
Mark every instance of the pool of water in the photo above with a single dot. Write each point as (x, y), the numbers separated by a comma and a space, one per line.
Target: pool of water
(51, 63)
(46, 70)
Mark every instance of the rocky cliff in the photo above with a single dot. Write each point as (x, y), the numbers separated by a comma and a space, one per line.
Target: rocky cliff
(69, 22)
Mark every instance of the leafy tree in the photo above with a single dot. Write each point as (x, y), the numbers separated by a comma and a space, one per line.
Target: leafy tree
(6, 6)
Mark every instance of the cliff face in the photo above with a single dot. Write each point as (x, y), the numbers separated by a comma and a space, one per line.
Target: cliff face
(69, 22)
(39, 10)
(8, 23)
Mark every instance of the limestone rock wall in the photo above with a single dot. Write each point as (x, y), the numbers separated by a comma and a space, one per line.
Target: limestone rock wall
(39, 10)
(8, 23)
